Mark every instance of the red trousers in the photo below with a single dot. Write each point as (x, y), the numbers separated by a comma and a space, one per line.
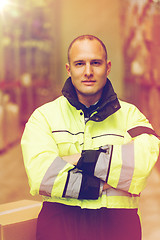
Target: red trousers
(60, 222)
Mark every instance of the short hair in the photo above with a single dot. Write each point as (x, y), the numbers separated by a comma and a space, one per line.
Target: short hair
(89, 37)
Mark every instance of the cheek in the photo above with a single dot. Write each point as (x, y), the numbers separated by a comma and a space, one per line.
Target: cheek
(77, 72)
(102, 79)
(102, 76)
(101, 72)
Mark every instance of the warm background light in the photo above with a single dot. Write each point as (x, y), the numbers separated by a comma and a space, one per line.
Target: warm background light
(2, 4)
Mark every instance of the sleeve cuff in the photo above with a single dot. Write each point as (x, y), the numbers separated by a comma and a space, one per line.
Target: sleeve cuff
(90, 188)
(81, 186)
(96, 162)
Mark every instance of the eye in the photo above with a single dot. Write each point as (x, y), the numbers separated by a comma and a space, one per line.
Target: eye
(79, 64)
(96, 63)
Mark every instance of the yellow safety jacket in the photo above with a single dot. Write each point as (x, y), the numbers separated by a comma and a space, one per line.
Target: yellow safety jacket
(60, 128)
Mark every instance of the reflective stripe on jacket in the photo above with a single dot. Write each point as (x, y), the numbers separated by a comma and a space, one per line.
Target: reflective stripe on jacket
(58, 129)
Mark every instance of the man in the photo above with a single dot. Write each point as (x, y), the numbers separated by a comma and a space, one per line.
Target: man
(88, 154)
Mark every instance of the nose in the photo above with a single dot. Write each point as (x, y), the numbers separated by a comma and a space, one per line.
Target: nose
(88, 72)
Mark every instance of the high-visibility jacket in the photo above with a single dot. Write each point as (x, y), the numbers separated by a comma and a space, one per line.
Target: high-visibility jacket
(59, 129)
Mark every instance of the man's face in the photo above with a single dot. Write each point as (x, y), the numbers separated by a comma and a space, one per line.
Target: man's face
(88, 69)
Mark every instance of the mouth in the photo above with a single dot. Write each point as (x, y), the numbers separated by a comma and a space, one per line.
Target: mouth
(88, 82)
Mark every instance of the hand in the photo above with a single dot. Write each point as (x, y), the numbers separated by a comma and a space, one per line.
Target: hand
(106, 186)
(73, 159)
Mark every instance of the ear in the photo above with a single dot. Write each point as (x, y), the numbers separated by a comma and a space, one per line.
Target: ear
(108, 67)
(68, 69)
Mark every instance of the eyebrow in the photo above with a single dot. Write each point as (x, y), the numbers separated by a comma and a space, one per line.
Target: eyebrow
(77, 61)
(92, 60)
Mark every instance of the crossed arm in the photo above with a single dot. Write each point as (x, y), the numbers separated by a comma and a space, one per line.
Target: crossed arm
(73, 159)
(130, 166)
(125, 167)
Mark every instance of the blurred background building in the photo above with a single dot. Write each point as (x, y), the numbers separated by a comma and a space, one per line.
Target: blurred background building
(34, 37)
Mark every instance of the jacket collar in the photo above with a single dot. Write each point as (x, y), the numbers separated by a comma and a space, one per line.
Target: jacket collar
(106, 106)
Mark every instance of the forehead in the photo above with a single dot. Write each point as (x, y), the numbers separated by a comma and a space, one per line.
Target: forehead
(82, 49)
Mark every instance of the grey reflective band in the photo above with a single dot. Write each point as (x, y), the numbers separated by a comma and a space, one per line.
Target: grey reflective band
(117, 192)
(50, 176)
(128, 165)
(102, 165)
(74, 184)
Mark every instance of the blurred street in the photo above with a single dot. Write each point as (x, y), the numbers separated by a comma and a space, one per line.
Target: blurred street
(15, 187)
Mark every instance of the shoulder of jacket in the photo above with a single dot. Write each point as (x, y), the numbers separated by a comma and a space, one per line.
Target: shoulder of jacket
(52, 105)
(125, 105)
(50, 108)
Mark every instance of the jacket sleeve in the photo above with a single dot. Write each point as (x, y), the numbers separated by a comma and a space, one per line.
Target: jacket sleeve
(126, 166)
(132, 162)
(48, 173)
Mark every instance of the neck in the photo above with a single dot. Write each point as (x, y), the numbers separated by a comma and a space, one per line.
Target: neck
(88, 100)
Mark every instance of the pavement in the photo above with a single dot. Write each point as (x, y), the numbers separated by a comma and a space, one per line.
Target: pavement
(14, 187)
